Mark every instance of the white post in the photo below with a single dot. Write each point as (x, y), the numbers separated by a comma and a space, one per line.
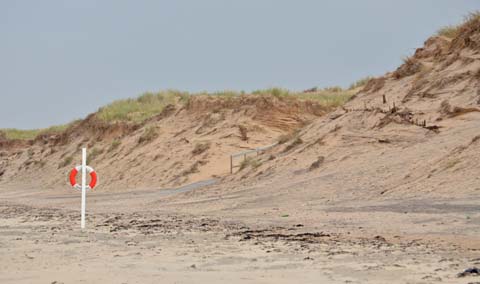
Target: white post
(84, 177)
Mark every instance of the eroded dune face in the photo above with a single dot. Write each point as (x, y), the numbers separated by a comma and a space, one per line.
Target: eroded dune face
(412, 132)
(183, 144)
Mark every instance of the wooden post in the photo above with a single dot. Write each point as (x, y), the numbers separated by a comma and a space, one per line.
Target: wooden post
(384, 99)
(231, 164)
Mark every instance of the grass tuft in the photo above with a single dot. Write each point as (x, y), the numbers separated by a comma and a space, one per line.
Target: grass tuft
(250, 162)
(360, 83)
(470, 21)
(284, 138)
(139, 109)
(330, 97)
(448, 31)
(200, 148)
(148, 135)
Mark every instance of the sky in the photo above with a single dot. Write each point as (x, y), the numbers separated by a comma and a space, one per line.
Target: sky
(61, 60)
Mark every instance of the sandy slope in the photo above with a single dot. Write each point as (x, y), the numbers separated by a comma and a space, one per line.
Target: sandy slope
(190, 143)
(424, 140)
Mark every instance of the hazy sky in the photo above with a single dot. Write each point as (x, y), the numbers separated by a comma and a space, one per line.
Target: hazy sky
(60, 60)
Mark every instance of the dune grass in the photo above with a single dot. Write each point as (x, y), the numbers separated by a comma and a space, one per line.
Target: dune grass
(328, 97)
(149, 104)
(360, 83)
(448, 31)
(139, 109)
(28, 134)
(451, 32)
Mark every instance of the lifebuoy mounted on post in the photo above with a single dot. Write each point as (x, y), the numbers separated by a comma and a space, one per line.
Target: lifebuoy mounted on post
(73, 177)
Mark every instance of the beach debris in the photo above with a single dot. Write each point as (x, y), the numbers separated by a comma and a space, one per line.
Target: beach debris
(469, 272)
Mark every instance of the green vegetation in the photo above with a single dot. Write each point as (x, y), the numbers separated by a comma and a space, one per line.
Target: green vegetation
(29, 134)
(20, 134)
(328, 97)
(360, 83)
(452, 31)
(448, 31)
(150, 104)
(276, 92)
(139, 109)
(224, 94)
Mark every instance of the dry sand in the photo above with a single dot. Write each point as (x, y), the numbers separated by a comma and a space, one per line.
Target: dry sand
(409, 241)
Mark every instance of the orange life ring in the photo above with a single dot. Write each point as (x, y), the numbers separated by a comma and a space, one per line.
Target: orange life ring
(90, 170)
